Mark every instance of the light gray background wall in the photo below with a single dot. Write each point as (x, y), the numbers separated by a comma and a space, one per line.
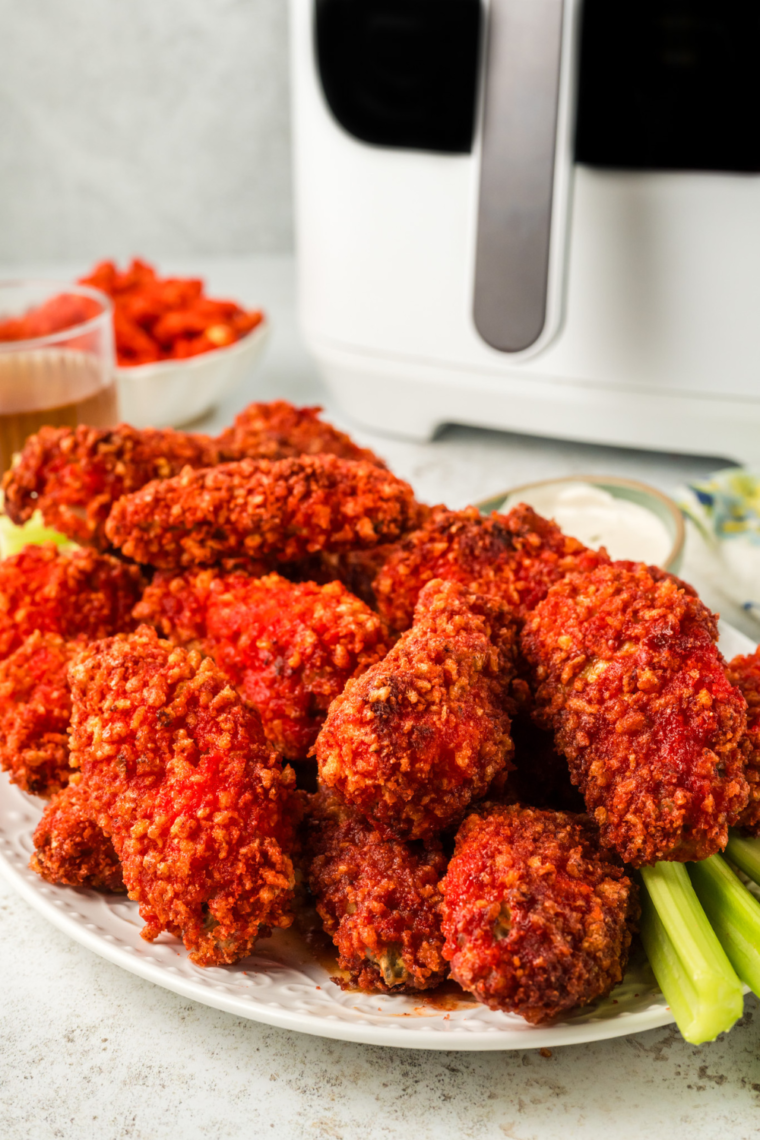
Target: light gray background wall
(143, 126)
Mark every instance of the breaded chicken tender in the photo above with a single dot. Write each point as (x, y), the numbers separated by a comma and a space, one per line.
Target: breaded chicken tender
(178, 775)
(378, 899)
(278, 430)
(515, 557)
(423, 733)
(537, 920)
(75, 475)
(744, 672)
(35, 709)
(257, 509)
(71, 848)
(68, 592)
(630, 680)
(288, 648)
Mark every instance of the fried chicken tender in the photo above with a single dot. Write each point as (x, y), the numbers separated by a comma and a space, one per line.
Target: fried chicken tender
(35, 709)
(288, 648)
(378, 899)
(744, 672)
(71, 848)
(258, 509)
(421, 734)
(630, 680)
(537, 920)
(515, 557)
(75, 475)
(179, 777)
(278, 430)
(68, 592)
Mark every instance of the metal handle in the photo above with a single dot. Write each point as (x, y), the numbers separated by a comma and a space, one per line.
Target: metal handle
(520, 150)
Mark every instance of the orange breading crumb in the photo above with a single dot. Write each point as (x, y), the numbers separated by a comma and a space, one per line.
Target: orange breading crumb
(744, 672)
(278, 430)
(285, 510)
(75, 475)
(71, 848)
(35, 709)
(179, 777)
(288, 648)
(515, 557)
(537, 920)
(631, 682)
(421, 734)
(68, 592)
(378, 899)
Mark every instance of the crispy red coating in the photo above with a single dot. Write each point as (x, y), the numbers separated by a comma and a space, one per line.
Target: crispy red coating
(179, 776)
(537, 920)
(288, 648)
(378, 899)
(75, 475)
(421, 734)
(286, 510)
(630, 680)
(69, 592)
(71, 848)
(35, 709)
(278, 430)
(744, 672)
(515, 557)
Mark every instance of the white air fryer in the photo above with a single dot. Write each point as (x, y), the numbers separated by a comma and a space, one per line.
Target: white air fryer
(535, 215)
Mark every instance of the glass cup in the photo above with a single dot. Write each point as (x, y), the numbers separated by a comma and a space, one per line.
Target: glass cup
(63, 373)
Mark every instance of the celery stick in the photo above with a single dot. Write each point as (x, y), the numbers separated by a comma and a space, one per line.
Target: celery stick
(734, 915)
(746, 854)
(689, 962)
(13, 538)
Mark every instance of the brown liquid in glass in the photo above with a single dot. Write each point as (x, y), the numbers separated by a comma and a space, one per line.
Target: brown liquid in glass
(55, 387)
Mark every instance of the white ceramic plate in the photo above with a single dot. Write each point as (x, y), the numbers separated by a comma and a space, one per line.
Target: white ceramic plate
(283, 985)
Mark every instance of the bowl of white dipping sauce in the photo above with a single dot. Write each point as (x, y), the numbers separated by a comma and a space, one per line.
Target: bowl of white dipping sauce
(631, 519)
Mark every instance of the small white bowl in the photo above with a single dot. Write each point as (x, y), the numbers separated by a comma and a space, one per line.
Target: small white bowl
(174, 392)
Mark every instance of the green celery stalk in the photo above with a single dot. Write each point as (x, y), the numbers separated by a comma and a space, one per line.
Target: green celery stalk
(734, 915)
(745, 853)
(13, 538)
(689, 963)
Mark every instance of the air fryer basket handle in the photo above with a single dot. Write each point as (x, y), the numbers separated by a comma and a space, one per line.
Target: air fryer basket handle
(525, 172)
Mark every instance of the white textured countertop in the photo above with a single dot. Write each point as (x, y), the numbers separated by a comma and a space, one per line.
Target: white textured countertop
(87, 1050)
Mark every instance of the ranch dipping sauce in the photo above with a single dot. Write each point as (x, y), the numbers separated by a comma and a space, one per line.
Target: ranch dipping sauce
(596, 518)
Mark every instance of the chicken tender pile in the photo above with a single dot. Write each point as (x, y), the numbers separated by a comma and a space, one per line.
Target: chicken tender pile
(257, 509)
(421, 734)
(515, 557)
(744, 673)
(288, 648)
(630, 680)
(537, 920)
(434, 673)
(178, 775)
(378, 898)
